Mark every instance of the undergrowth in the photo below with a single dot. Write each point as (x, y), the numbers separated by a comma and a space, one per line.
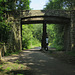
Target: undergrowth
(11, 53)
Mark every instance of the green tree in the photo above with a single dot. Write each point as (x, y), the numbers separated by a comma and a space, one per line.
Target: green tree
(26, 36)
(37, 31)
(31, 35)
(4, 27)
(50, 32)
(23, 4)
(17, 4)
(61, 4)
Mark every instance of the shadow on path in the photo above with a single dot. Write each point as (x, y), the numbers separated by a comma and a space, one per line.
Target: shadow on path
(40, 64)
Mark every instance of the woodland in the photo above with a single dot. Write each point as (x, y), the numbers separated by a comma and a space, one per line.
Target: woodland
(32, 33)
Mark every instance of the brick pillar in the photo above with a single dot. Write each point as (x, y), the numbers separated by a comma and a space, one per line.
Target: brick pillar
(73, 30)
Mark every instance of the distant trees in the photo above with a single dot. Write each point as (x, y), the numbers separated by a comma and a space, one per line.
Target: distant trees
(31, 35)
(61, 4)
(26, 36)
(37, 31)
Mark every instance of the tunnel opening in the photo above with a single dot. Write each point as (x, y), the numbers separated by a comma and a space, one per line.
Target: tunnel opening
(49, 21)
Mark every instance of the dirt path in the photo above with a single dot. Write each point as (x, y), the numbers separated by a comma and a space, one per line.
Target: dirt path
(40, 64)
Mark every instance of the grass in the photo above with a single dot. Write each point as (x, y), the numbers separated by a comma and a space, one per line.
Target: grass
(9, 66)
(36, 45)
(33, 46)
(17, 61)
(8, 69)
(0, 65)
(16, 52)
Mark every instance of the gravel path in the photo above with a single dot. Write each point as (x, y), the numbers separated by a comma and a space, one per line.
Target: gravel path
(41, 63)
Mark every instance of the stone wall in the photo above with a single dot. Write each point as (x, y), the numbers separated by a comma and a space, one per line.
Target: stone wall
(67, 38)
(73, 30)
(14, 41)
(60, 13)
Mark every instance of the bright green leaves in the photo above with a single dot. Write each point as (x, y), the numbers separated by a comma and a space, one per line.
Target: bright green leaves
(26, 36)
(37, 33)
(4, 28)
(1, 0)
(50, 32)
(31, 35)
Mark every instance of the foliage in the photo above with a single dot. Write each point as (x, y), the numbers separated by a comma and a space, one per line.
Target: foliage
(54, 4)
(35, 43)
(26, 36)
(56, 35)
(4, 31)
(50, 32)
(4, 27)
(23, 4)
(9, 68)
(31, 36)
(17, 4)
(37, 31)
(61, 4)
(11, 52)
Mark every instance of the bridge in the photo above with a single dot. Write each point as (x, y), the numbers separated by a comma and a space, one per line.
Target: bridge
(65, 17)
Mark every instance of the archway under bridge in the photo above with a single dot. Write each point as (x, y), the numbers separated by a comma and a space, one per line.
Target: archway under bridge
(45, 20)
(46, 17)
